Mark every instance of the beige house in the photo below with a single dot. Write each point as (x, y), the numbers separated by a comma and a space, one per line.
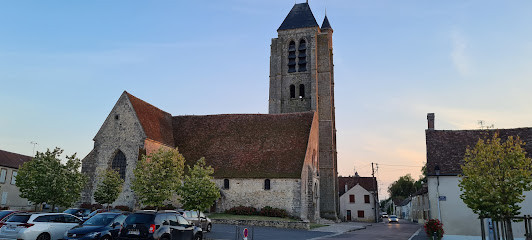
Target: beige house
(9, 164)
(420, 207)
(358, 198)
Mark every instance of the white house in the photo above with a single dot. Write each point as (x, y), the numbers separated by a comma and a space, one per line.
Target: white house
(358, 198)
(445, 155)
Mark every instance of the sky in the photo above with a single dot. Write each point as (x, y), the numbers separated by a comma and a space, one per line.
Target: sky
(64, 64)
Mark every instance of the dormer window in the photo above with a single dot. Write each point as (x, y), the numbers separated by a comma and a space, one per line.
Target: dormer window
(302, 56)
(292, 57)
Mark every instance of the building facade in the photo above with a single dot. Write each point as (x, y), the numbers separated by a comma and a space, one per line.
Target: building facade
(302, 79)
(358, 199)
(445, 155)
(9, 165)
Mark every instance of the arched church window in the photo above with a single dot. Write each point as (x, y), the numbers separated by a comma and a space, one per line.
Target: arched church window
(292, 91)
(119, 164)
(292, 57)
(226, 183)
(267, 184)
(302, 56)
(301, 90)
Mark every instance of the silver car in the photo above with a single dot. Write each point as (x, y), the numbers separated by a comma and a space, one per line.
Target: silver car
(39, 226)
(201, 221)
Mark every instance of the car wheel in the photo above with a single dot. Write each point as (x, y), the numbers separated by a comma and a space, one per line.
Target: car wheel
(209, 227)
(106, 238)
(198, 237)
(43, 236)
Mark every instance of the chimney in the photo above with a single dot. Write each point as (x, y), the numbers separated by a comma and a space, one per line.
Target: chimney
(430, 119)
(346, 187)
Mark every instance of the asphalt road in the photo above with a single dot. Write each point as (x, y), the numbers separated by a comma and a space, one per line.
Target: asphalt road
(229, 232)
(383, 231)
(377, 231)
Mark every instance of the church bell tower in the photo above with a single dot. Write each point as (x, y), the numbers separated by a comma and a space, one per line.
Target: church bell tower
(302, 79)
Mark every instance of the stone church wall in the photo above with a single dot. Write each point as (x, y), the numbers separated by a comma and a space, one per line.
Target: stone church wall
(121, 131)
(284, 194)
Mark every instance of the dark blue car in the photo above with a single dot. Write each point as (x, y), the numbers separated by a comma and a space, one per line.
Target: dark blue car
(104, 226)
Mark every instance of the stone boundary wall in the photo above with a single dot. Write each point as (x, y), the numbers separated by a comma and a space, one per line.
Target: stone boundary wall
(261, 223)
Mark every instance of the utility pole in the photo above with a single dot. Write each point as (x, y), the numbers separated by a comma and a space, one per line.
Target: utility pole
(375, 192)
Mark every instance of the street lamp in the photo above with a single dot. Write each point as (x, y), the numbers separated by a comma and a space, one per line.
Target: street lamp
(437, 171)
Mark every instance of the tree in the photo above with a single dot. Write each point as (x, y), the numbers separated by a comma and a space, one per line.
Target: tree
(157, 175)
(495, 175)
(110, 187)
(198, 191)
(46, 179)
(402, 188)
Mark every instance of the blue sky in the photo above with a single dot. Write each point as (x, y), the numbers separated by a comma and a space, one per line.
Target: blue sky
(63, 65)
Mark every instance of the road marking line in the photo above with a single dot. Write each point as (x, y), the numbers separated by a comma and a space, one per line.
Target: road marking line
(415, 234)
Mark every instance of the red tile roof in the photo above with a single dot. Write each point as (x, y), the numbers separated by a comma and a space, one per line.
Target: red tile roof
(246, 145)
(235, 145)
(368, 183)
(12, 160)
(157, 124)
(446, 148)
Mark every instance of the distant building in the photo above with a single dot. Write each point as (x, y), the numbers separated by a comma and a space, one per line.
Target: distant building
(358, 198)
(405, 209)
(420, 205)
(9, 165)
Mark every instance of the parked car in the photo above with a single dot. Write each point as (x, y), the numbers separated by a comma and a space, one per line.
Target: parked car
(393, 218)
(201, 221)
(103, 226)
(78, 212)
(5, 214)
(158, 225)
(39, 226)
(384, 215)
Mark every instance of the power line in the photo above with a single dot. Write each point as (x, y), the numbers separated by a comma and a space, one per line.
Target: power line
(397, 165)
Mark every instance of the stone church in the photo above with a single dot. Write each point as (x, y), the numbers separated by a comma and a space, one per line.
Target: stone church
(284, 159)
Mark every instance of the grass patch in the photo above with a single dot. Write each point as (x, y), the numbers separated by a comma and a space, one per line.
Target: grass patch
(317, 225)
(248, 217)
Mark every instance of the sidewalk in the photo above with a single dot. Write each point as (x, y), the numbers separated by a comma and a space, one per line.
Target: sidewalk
(342, 227)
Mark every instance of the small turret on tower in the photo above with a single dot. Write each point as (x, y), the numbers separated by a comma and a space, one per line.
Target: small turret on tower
(326, 25)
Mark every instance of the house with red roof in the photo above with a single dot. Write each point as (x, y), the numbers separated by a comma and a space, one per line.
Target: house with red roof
(445, 156)
(9, 164)
(358, 198)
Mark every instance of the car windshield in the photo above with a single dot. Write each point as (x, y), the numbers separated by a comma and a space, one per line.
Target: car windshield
(140, 218)
(100, 219)
(19, 218)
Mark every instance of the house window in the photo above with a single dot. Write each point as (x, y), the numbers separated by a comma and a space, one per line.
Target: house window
(119, 164)
(302, 56)
(292, 57)
(226, 183)
(301, 90)
(351, 198)
(361, 214)
(3, 174)
(366, 198)
(267, 184)
(292, 91)
(14, 177)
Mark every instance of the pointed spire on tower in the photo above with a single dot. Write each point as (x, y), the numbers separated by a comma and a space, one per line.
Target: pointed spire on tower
(326, 24)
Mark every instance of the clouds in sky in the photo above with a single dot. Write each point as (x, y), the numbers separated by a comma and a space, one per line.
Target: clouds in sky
(459, 55)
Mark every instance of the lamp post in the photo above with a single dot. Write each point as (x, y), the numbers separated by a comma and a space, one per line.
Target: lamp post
(437, 171)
